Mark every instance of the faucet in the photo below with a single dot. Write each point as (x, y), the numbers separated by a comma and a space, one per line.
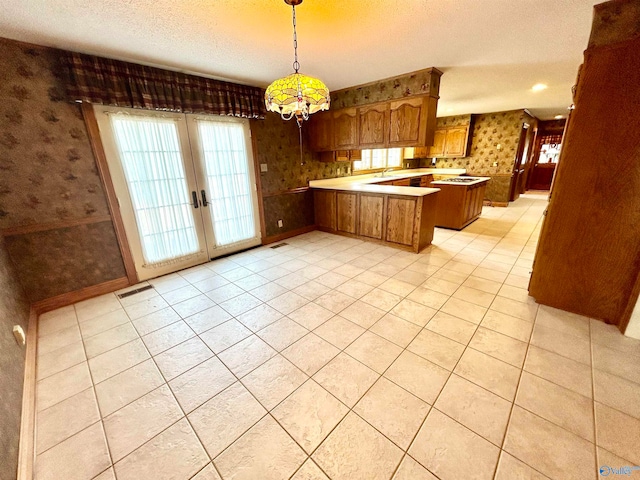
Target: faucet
(385, 171)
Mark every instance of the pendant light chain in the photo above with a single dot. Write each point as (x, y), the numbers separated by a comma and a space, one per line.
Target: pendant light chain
(296, 64)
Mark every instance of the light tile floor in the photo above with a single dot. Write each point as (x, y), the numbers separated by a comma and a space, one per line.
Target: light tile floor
(334, 358)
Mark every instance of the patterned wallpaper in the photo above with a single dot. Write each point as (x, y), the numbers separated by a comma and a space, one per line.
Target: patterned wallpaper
(48, 175)
(48, 170)
(66, 259)
(278, 145)
(489, 130)
(14, 310)
(416, 83)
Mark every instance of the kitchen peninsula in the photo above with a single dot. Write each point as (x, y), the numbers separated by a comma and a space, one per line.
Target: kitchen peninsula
(368, 207)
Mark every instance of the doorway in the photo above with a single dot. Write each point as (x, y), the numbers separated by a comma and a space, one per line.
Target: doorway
(519, 165)
(546, 154)
(185, 184)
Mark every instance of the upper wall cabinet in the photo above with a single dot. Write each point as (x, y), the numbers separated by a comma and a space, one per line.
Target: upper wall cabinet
(373, 124)
(407, 122)
(450, 142)
(345, 129)
(321, 134)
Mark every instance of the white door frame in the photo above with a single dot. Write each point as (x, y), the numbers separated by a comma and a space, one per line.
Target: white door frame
(121, 188)
(201, 177)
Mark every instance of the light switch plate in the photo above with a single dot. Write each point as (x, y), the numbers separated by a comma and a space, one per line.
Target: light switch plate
(19, 335)
(263, 167)
(280, 224)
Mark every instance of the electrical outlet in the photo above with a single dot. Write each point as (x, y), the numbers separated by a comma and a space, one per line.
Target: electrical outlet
(263, 167)
(280, 224)
(494, 164)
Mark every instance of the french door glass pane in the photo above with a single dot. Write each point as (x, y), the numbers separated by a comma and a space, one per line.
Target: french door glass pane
(228, 181)
(154, 169)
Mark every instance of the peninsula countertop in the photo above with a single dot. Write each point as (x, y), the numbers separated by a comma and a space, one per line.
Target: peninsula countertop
(367, 183)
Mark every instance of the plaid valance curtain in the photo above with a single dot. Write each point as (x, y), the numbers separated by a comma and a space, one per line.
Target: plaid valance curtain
(112, 82)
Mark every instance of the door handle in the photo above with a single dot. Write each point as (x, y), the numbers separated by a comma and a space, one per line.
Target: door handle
(194, 196)
(204, 198)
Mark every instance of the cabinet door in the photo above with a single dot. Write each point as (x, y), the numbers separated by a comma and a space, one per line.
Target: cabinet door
(347, 204)
(327, 157)
(421, 152)
(406, 122)
(425, 180)
(321, 132)
(401, 214)
(405, 182)
(439, 139)
(373, 125)
(371, 214)
(456, 142)
(325, 208)
(345, 129)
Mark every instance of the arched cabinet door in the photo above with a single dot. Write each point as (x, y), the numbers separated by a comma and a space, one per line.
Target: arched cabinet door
(407, 122)
(345, 129)
(373, 123)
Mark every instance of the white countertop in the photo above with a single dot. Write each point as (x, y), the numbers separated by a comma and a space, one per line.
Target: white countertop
(476, 181)
(367, 183)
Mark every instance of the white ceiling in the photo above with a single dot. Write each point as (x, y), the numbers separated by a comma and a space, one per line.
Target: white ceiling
(491, 51)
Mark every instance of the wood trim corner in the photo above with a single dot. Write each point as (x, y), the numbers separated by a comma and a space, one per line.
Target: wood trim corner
(70, 298)
(26, 448)
(289, 234)
(93, 131)
(256, 168)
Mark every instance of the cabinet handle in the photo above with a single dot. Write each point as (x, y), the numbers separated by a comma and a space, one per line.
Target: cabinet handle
(194, 196)
(204, 198)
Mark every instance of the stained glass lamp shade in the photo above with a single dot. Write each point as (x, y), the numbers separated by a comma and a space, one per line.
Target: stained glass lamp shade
(296, 95)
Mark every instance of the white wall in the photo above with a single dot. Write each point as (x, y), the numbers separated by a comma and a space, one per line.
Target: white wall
(633, 329)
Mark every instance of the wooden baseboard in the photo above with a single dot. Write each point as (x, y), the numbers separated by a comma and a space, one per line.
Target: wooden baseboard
(499, 204)
(72, 297)
(26, 450)
(289, 234)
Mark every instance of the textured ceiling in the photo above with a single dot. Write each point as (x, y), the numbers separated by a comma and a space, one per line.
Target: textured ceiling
(491, 51)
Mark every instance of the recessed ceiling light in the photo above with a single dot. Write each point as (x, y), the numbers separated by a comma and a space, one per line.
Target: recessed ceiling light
(558, 117)
(538, 87)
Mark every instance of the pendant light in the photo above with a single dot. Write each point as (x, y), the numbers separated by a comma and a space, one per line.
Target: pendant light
(296, 95)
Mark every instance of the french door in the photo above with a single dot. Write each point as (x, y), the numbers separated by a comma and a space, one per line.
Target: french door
(185, 184)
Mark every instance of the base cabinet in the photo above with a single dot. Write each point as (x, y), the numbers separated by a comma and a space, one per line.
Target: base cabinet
(400, 218)
(459, 205)
(324, 202)
(371, 211)
(402, 221)
(346, 209)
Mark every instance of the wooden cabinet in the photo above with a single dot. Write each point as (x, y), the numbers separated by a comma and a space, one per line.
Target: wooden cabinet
(456, 144)
(402, 221)
(321, 132)
(450, 142)
(371, 215)
(345, 129)
(346, 212)
(404, 182)
(340, 156)
(373, 125)
(459, 205)
(425, 180)
(324, 202)
(401, 213)
(407, 122)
